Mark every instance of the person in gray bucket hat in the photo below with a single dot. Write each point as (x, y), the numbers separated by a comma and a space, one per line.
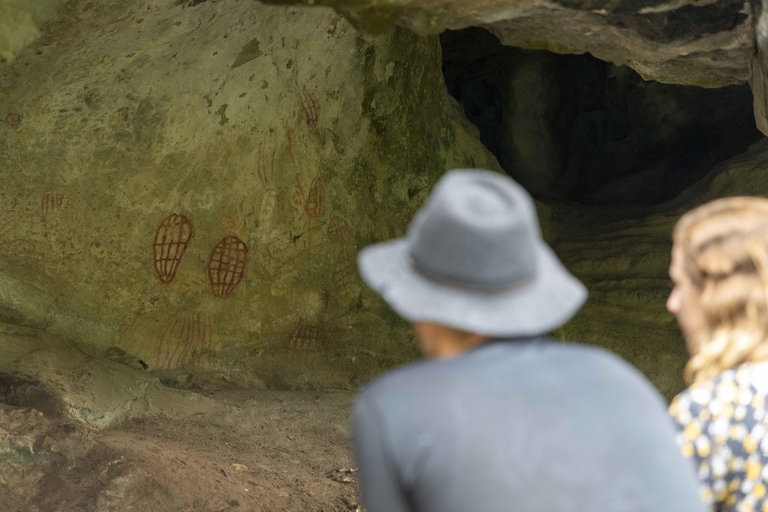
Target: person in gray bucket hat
(499, 417)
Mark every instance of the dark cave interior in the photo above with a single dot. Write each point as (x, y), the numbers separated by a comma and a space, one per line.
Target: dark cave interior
(574, 128)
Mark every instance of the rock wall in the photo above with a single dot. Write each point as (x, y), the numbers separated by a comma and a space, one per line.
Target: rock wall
(700, 42)
(186, 184)
(20, 23)
(622, 254)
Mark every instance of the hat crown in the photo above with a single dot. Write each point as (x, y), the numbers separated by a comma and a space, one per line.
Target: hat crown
(477, 229)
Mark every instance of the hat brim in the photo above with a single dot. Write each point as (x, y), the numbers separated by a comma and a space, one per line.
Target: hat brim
(538, 306)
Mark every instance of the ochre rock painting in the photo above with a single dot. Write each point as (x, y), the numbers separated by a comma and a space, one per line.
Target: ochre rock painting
(182, 340)
(311, 207)
(338, 229)
(51, 202)
(306, 338)
(297, 198)
(310, 108)
(227, 265)
(315, 205)
(171, 241)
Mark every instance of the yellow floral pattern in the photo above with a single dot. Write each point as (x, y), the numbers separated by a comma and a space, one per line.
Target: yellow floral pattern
(723, 429)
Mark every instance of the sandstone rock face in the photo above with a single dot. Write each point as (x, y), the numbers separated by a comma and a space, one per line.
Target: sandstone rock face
(705, 43)
(186, 185)
(20, 22)
(623, 255)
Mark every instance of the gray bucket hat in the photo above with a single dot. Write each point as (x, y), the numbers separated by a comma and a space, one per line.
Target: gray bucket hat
(474, 259)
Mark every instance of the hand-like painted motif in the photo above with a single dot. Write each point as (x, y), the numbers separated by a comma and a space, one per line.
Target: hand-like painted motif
(171, 241)
(227, 265)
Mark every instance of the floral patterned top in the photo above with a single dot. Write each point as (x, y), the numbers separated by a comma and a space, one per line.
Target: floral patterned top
(723, 429)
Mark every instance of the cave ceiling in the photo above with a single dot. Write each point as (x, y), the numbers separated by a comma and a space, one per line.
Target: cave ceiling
(700, 42)
(704, 43)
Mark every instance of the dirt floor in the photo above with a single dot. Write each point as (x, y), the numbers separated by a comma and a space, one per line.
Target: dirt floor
(254, 451)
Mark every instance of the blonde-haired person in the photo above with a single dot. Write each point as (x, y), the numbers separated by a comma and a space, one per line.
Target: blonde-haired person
(720, 298)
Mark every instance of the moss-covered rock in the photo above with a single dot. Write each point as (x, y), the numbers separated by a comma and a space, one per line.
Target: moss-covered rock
(186, 186)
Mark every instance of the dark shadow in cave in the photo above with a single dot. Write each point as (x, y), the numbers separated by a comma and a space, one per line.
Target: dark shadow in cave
(575, 128)
(19, 392)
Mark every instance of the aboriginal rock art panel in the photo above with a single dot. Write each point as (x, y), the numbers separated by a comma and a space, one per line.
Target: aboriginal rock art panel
(310, 107)
(306, 338)
(171, 241)
(51, 202)
(182, 340)
(344, 277)
(338, 229)
(226, 266)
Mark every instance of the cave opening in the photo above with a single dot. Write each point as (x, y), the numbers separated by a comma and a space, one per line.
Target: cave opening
(575, 128)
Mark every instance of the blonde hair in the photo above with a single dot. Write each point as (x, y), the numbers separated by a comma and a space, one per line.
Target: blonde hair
(723, 249)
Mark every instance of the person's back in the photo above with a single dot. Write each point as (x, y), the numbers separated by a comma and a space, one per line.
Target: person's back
(521, 425)
(517, 425)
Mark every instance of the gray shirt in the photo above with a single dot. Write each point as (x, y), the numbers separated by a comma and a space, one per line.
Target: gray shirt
(525, 425)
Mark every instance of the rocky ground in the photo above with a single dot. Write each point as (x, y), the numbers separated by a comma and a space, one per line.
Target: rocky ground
(79, 433)
(273, 451)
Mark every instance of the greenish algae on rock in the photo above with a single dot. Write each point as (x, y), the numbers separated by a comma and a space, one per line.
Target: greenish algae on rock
(200, 219)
